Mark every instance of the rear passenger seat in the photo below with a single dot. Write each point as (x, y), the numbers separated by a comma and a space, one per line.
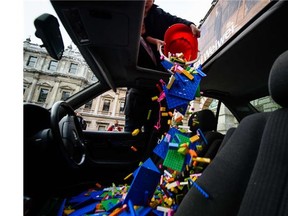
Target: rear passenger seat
(228, 134)
(206, 121)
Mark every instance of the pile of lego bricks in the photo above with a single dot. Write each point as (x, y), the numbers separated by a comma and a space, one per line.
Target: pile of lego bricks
(155, 190)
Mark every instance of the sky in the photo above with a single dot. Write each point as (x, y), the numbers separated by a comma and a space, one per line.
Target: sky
(193, 10)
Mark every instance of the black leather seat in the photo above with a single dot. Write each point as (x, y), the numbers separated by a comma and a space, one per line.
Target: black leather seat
(249, 176)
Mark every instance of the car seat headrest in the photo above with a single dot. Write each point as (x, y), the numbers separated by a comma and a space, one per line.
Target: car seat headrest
(205, 120)
(278, 80)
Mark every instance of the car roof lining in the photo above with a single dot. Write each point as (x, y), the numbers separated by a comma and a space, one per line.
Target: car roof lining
(240, 60)
(99, 21)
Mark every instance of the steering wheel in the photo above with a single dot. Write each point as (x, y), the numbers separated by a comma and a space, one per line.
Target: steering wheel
(67, 133)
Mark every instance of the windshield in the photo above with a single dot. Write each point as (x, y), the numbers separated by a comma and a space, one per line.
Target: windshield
(47, 80)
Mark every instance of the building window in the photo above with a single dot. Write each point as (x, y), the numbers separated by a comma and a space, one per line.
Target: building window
(106, 105)
(24, 89)
(65, 95)
(88, 105)
(43, 95)
(32, 61)
(88, 124)
(73, 68)
(122, 105)
(102, 128)
(53, 65)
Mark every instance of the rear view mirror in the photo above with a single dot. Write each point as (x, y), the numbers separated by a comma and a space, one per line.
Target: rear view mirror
(47, 29)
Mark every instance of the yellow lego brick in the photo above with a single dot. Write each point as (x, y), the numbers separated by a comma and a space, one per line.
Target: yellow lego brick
(164, 114)
(149, 114)
(136, 132)
(154, 98)
(201, 159)
(182, 150)
(187, 74)
(194, 138)
(68, 211)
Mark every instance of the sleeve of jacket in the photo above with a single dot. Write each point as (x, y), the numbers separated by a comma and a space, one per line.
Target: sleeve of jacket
(158, 21)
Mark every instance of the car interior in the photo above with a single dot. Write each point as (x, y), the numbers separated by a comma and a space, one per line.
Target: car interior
(248, 171)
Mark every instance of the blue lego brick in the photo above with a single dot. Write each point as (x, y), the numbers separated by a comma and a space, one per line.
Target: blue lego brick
(85, 196)
(172, 131)
(187, 159)
(184, 87)
(141, 211)
(61, 209)
(131, 208)
(166, 64)
(85, 210)
(179, 96)
(200, 72)
(161, 149)
(193, 145)
(158, 213)
(141, 190)
(182, 108)
(172, 100)
(202, 136)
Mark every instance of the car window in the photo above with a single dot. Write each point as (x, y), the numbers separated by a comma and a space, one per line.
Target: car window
(265, 104)
(101, 112)
(226, 119)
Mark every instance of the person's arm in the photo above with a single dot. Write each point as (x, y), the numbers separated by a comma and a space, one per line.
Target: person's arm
(195, 31)
(155, 41)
